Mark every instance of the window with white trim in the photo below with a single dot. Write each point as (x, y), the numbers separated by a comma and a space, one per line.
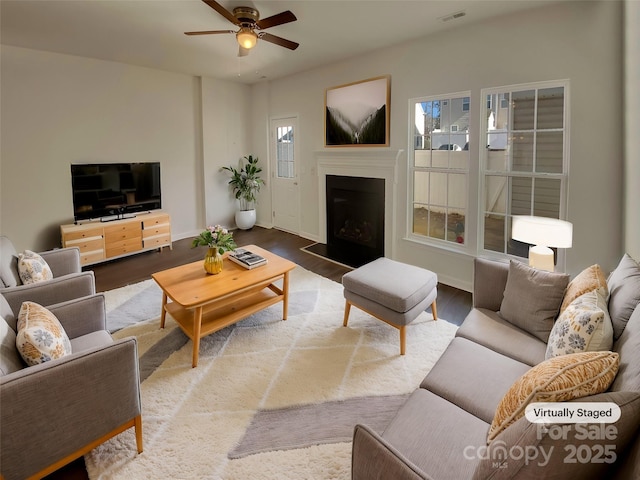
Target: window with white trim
(524, 162)
(439, 168)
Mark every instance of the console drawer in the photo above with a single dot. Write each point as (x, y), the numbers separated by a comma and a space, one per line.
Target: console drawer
(162, 219)
(72, 238)
(157, 241)
(156, 230)
(91, 257)
(123, 246)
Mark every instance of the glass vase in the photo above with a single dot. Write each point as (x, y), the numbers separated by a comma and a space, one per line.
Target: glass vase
(213, 261)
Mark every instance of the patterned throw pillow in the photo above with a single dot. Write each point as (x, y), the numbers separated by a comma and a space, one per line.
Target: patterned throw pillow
(40, 335)
(556, 380)
(591, 278)
(584, 326)
(33, 268)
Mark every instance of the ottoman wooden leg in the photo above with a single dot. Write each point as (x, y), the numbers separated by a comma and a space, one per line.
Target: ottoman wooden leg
(403, 338)
(434, 310)
(347, 309)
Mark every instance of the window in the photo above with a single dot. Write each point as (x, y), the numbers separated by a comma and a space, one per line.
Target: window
(284, 152)
(439, 169)
(524, 163)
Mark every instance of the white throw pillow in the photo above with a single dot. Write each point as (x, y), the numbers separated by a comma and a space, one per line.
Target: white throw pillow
(33, 268)
(40, 337)
(584, 326)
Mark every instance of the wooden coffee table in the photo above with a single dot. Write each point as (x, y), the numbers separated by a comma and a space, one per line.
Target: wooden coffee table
(202, 303)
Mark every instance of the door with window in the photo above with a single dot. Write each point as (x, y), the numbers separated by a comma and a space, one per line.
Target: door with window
(285, 194)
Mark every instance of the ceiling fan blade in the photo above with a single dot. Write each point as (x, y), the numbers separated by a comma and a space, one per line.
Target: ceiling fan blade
(243, 52)
(283, 42)
(279, 19)
(222, 11)
(209, 32)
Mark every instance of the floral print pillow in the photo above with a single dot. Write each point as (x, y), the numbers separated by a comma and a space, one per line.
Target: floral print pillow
(584, 326)
(41, 337)
(33, 268)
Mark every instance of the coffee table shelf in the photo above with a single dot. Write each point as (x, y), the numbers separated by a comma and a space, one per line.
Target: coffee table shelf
(202, 304)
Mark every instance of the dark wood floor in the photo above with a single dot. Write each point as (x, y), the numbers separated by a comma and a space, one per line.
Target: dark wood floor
(453, 304)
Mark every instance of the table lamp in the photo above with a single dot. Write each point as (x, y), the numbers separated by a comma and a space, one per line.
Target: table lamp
(542, 233)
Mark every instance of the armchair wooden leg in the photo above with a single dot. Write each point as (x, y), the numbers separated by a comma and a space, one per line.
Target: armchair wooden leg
(434, 310)
(138, 428)
(347, 309)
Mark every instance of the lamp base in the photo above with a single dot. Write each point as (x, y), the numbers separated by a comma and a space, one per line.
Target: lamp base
(541, 257)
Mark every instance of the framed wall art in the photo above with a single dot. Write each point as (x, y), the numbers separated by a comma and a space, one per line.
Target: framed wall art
(357, 114)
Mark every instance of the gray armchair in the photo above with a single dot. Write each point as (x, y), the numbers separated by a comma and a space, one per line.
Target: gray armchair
(69, 281)
(57, 411)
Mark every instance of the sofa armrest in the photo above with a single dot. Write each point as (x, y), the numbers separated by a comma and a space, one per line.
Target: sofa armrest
(489, 282)
(54, 409)
(372, 457)
(82, 315)
(52, 291)
(63, 261)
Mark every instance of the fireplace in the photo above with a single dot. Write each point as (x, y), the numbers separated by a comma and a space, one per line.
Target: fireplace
(355, 219)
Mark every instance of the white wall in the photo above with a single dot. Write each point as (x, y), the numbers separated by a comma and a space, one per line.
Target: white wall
(632, 127)
(60, 109)
(579, 41)
(226, 128)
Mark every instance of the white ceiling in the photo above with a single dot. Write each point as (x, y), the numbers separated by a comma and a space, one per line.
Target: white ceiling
(150, 32)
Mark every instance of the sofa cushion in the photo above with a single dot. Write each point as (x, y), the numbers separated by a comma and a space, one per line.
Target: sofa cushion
(624, 293)
(584, 326)
(532, 298)
(9, 357)
(96, 339)
(628, 346)
(33, 268)
(590, 279)
(433, 434)
(473, 377)
(7, 313)
(489, 329)
(556, 380)
(550, 448)
(40, 335)
(8, 263)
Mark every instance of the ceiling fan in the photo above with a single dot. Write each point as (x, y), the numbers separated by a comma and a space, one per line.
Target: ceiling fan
(248, 19)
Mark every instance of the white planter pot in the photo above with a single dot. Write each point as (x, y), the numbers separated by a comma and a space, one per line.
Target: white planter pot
(245, 219)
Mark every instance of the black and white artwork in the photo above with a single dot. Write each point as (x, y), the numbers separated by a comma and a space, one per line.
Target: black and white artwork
(357, 114)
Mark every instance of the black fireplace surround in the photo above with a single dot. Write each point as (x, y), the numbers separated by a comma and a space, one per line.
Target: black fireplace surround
(355, 219)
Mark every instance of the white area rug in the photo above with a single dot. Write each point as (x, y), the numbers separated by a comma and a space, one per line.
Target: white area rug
(193, 418)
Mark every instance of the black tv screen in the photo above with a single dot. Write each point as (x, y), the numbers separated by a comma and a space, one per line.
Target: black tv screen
(114, 189)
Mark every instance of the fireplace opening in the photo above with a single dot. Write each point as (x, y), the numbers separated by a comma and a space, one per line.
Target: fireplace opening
(355, 219)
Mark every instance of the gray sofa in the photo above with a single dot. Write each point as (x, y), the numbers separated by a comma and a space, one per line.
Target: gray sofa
(57, 411)
(441, 431)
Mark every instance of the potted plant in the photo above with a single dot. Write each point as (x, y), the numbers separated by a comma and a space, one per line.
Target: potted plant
(245, 184)
(219, 240)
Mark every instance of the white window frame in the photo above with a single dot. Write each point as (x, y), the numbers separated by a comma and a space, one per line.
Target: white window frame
(469, 245)
(484, 172)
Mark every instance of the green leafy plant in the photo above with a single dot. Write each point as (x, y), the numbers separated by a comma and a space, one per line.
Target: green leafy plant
(215, 237)
(246, 182)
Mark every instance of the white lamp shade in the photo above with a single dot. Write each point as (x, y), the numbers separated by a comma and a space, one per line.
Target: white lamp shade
(548, 232)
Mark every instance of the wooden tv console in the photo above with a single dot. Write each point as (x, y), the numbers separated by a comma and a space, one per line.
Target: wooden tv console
(100, 241)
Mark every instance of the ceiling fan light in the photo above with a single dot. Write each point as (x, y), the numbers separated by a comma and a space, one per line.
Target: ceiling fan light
(247, 38)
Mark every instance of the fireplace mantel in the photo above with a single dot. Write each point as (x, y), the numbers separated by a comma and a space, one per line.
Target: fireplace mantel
(361, 162)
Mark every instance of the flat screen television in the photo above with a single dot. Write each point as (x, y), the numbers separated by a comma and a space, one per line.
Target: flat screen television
(108, 191)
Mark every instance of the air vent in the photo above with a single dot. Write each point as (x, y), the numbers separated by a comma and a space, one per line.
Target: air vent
(453, 16)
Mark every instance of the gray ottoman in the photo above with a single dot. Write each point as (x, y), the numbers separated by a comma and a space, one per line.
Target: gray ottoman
(393, 292)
